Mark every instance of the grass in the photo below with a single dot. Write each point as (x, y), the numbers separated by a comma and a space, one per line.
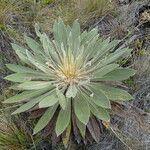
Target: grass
(11, 14)
(70, 10)
(5, 7)
(12, 137)
(27, 12)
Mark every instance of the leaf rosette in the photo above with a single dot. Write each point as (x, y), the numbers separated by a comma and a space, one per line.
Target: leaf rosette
(69, 74)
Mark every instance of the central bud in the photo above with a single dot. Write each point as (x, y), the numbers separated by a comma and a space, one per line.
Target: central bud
(70, 72)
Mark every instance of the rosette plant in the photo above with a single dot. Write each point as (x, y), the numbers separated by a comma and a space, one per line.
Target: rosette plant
(69, 77)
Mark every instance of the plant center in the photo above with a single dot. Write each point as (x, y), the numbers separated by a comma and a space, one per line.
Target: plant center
(70, 72)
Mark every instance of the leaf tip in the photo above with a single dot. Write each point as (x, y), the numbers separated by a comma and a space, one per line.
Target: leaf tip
(14, 113)
(34, 132)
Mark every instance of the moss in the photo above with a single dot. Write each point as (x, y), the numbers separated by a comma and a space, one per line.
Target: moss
(131, 84)
(122, 62)
(138, 46)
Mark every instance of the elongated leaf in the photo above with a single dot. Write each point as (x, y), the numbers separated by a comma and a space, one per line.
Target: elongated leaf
(74, 39)
(118, 74)
(37, 29)
(107, 46)
(94, 128)
(22, 77)
(89, 49)
(62, 99)
(115, 94)
(50, 49)
(48, 101)
(34, 85)
(99, 112)
(75, 29)
(68, 29)
(72, 91)
(18, 48)
(47, 45)
(21, 52)
(56, 32)
(45, 119)
(20, 69)
(100, 99)
(110, 45)
(101, 47)
(26, 106)
(82, 109)
(26, 95)
(114, 56)
(35, 46)
(37, 64)
(17, 77)
(60, 33)
(30, 104)
(79, 59)
(66, 136)
(104, 70)
(88, 36)
(81, 127)
(63, 119)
